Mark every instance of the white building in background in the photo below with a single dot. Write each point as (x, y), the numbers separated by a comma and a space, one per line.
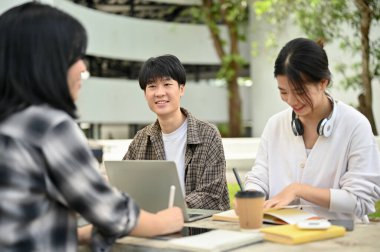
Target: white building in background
(118, 102)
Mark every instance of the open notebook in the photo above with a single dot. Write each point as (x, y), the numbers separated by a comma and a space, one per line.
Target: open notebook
(148, 183)
(286, 215)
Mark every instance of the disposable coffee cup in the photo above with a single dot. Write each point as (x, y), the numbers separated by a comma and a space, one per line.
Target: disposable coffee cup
(250, 209)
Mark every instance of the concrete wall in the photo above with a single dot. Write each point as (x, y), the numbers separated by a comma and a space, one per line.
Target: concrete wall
(112, 101)
(105, 100)
(121, 37)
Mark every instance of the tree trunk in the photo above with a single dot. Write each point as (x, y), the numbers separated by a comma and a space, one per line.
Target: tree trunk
(234, 100)
(234, 110)
(367, 112)
(365, 99)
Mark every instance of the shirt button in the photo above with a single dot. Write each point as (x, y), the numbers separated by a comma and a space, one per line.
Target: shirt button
(302, 165)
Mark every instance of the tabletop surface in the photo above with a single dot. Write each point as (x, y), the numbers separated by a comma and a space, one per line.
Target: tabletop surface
(364, 237)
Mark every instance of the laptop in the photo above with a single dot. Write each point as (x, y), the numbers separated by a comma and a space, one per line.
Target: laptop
(148, 182)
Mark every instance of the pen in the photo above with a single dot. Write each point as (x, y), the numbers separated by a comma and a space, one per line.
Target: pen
(238, 179)
(171, 196)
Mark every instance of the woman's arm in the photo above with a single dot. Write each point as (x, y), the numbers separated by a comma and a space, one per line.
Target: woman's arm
(164, 222)
(315, 195)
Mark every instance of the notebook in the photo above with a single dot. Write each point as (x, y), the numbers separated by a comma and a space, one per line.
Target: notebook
(148, 182)
(286, 215)
(291, 234)
(216, 240)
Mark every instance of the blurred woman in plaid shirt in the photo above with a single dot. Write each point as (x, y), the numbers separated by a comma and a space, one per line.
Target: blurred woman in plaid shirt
(47, 171)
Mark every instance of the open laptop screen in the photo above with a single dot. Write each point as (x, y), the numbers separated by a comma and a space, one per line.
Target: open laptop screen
(148, 182)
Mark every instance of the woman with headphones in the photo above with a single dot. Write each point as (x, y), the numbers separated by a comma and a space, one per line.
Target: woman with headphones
(319, 152)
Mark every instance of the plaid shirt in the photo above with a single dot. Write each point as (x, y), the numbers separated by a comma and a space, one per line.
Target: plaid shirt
(205, 164)
(47, 174)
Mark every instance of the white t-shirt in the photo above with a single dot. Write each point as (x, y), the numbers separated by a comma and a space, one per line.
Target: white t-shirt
(175, 149)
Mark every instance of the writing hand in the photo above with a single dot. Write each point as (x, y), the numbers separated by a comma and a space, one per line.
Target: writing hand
(172, 219)
(84, 234)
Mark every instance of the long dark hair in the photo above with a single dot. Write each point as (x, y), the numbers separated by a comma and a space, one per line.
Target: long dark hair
(303, 61)
(38, 44)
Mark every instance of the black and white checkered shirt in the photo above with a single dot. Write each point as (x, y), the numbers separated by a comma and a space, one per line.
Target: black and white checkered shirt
(47, 175)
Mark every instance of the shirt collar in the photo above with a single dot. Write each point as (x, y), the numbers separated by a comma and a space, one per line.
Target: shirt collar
(193, 137)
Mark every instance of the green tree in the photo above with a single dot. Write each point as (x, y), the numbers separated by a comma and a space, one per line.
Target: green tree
(232, 14)
(321, 19)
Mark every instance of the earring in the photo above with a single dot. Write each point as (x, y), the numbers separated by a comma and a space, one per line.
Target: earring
(84, 75)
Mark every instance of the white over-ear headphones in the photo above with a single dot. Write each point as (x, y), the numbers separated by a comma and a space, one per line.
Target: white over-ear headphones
(325, 126)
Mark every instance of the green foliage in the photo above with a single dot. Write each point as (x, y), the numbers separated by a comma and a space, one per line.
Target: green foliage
(233, 13)
(223, 129)
(376, 215)
(196, 13)
(233, 188)
(321, 19)
(226, 72)
(350, 81)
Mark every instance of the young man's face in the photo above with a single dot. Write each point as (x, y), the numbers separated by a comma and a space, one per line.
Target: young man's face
(163, 96)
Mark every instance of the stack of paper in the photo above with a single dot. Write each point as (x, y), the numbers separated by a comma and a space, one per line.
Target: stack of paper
(216, 240)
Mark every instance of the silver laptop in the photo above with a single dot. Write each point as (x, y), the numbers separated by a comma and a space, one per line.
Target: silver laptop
(148, 182)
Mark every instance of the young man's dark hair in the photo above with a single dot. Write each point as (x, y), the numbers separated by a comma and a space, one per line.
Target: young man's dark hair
(162, 66)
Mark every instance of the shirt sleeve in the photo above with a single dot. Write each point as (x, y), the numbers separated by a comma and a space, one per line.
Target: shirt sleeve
(74, 180)
(211, 188)
(258, 178)
(133, 148)
(360, 184)
(130, 154)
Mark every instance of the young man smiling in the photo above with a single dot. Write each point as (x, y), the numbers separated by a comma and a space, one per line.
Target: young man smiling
(195, 146)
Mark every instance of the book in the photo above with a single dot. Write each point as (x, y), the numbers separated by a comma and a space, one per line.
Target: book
(286, 215)
(216, 240)
(229, 215)
(291, 234)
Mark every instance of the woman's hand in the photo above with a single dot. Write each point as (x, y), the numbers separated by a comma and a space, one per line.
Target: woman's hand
(167, 221)
(84, 234)
(286, 196)
(315, 195)
(172, 219)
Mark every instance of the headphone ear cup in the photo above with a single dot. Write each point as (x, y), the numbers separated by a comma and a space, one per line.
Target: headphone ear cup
(324, 127)
(320, 126)
(297, 127)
